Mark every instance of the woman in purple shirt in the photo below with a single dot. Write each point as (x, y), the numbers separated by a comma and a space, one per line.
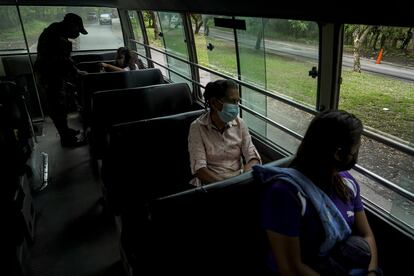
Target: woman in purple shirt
(294, 224)
(219, 140)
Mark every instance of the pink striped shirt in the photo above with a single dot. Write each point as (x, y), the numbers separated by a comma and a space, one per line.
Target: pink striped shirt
(220, 152)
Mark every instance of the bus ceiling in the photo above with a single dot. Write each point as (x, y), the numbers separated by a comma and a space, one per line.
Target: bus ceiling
(397, 14)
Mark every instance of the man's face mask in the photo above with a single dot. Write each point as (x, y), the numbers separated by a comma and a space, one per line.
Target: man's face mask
(229, 112)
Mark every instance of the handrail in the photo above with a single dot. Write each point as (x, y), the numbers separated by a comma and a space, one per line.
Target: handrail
(273, 123)
(390, 185)
(248, 85)
(172, 70)
(387, 141)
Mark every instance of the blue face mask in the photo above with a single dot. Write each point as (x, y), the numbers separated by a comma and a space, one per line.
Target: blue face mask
(229, 112)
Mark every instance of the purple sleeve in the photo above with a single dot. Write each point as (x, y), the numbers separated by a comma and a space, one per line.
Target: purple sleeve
(282, 209)
(358, 206)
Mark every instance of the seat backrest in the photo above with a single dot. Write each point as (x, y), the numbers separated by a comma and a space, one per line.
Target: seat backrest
(15, 133)
(77, 58)
(133, 104)
(147, 159)
(18, 70)
(216, 228)
(92, 66)
(16, 65)
(115, 80)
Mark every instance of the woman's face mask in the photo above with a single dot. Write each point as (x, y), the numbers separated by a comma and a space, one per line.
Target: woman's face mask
(229, 112)
(346, 165)
(348, 160)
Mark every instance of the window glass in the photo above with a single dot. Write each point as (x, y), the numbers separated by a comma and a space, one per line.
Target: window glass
(253, 70)
(377, 86)
(102, 24)
(215, 47)
(174, 41)
(136, 27)
(153, 28)
(11, 34)
(396, 205)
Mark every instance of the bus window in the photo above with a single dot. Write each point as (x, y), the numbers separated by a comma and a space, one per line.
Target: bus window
(99, 37)
(377, 86)
(174, 41)
(290, 51)
(11, 34)
(136, 27)
(215, 47)
(253, 70)
(153, 28)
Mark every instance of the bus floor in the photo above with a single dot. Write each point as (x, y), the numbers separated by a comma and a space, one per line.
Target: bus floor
(74, 235)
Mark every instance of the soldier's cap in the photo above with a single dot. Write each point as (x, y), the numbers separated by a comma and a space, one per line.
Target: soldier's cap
(72, 18)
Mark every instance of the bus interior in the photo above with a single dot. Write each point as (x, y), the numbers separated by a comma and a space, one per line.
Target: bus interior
(121, 204)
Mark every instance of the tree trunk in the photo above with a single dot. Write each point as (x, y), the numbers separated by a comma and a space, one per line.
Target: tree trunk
(198, 21)
(198, 27)
(155, 25)
(259, 38)
(374, 42)
(394, 43)
(359, 35)
(206, 27)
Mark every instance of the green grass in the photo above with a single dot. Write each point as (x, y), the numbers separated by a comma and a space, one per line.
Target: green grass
(366, 95)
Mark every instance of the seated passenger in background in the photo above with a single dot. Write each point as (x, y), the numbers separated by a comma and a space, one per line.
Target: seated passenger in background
(312, 211)
(219, 140)
(125, 60)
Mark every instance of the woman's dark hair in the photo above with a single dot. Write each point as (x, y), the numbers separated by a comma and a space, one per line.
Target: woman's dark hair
(217, 89)
(128, 55)
(327, 132)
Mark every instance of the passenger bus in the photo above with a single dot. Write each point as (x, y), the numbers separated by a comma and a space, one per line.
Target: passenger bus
(120, 205)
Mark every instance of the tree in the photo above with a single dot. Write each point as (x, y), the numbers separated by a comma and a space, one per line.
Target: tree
(407, 39)
(154, 24)
(206, 18)
(198, 21)
(259, 38)
(298, 27)
(148, 19)
(359, 35)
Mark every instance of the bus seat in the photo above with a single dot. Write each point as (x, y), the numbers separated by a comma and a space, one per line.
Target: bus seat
(18, 70)
(115, 80)
(92, 66)
(147, 159)
(77, 58)
(216, 228)
(133, 104)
